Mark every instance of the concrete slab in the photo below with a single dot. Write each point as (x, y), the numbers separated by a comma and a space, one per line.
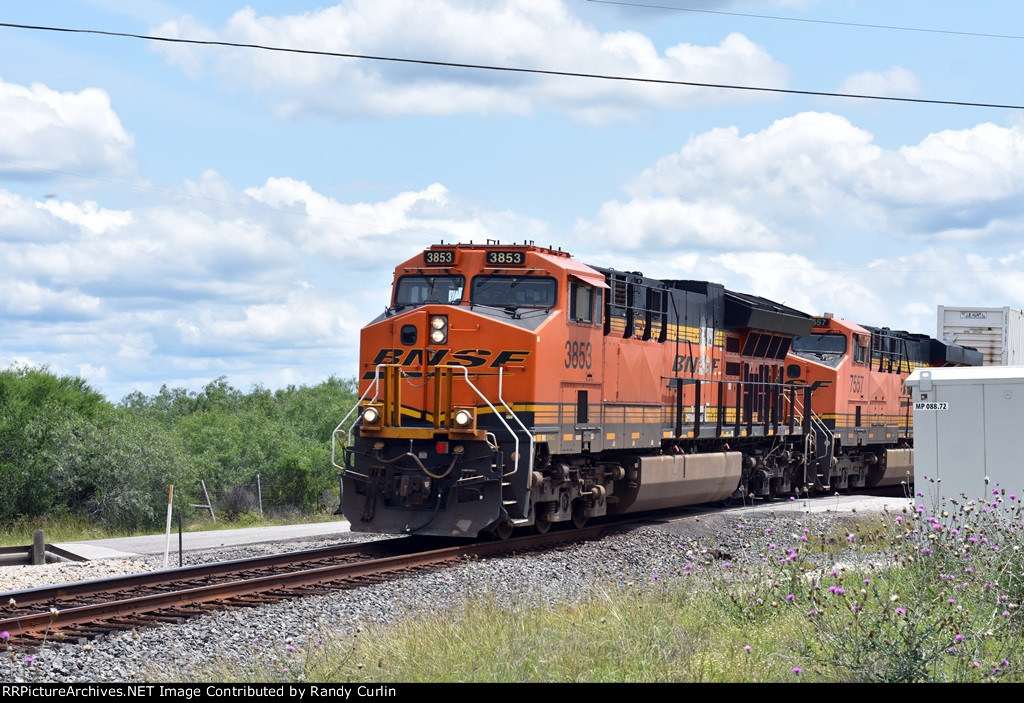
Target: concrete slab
(127, 547)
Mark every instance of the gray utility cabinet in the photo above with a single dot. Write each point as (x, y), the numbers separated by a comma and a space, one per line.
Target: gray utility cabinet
(968, 425)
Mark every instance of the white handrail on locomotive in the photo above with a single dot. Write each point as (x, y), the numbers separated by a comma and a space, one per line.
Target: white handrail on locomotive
(374, 385)
(811, 438)
(515, 437)
(501, 397)
(334, 435)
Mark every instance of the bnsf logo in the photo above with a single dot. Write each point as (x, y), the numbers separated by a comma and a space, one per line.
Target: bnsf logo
(463, 357)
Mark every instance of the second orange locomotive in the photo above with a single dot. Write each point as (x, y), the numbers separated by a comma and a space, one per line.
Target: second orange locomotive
(510, 386)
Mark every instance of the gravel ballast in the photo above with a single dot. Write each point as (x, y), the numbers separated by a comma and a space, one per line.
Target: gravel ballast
(631, 556)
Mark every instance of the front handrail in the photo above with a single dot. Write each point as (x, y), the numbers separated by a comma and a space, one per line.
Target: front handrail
(348, 434)
(494, 410)
(374, 386)
(529, 434)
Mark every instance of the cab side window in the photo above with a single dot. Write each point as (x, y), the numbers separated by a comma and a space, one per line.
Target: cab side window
(584, 303)
(860, 350)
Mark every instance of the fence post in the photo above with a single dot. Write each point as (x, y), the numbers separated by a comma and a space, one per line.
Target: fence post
(167, 542)
(259, 494)
(38, 548)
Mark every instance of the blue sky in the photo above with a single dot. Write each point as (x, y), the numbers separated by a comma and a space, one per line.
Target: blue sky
(171, 213)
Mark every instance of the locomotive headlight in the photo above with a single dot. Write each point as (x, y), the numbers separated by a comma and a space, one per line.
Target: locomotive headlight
(371, 416)
(463, 418)
(439, 329)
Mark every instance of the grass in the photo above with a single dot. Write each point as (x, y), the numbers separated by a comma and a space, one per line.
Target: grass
(910, 598)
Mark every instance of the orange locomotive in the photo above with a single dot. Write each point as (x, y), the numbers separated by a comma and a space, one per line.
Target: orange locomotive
(511, 386)
(862, 417)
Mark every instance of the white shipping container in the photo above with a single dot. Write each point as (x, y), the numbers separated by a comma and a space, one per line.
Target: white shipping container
(998, 333)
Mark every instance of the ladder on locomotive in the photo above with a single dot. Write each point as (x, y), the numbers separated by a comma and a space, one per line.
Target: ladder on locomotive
(819, 436)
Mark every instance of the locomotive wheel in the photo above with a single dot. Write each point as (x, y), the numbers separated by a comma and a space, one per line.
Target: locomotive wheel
(579, 520)
(541, 525)
(503, 530)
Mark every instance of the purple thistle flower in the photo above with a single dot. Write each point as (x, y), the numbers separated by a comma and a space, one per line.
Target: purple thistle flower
(901, 611)
(975, 663)
(951, 600)
(655, 576)
(926, 550)
(290, 648)
(959, 638)
(867, 581)
(771, 546)
(797, 670)
(5, 635)
(747, 649)
(899, 518)
(790, 598)
(1006, 613)
(29, 659)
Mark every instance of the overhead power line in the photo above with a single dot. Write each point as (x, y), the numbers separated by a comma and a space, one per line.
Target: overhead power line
(864, 25)
(508, 69)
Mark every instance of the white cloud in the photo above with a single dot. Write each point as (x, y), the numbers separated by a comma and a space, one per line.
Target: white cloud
(25, 297)
(653, 224)
(531, 34)
(815, 176)
(893, 82)
(49, 129)
(354, 232)
(87, 215)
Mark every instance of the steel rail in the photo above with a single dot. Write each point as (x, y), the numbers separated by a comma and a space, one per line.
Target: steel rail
(53, 622)
(64, 591)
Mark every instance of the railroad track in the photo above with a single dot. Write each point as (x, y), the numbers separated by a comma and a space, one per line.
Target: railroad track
(78, 612)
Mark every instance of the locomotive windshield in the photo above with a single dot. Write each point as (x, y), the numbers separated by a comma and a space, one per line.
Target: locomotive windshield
(514, 291)
(828, 348)
(419, 290)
